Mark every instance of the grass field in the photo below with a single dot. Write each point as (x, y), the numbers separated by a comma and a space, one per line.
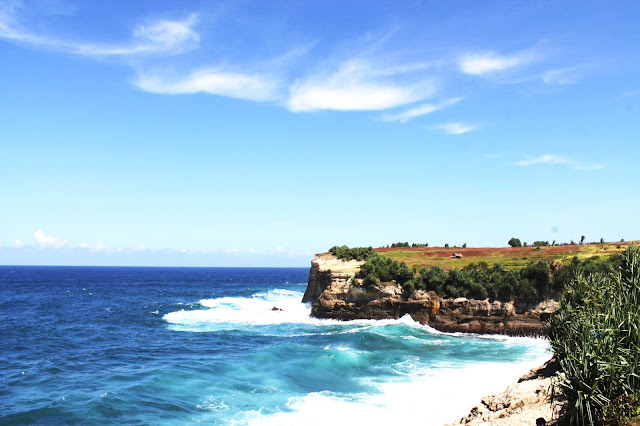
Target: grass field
(509, 257)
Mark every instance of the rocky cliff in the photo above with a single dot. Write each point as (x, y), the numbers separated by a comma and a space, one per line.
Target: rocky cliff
(531, 401)
(520, 318)
(335, 293)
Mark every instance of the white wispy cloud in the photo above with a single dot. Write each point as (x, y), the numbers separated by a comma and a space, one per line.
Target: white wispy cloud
(454, 128)
(155, 37)
(420, 110)
(358, 86)
(555, 159)
(231, 251)
(560, 76)
(478, 64)
(255, 87)
(44, 240)
(482, 63)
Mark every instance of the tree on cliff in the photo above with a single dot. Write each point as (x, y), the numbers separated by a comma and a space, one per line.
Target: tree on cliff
(515, 242)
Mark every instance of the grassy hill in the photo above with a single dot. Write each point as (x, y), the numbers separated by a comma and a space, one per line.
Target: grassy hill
(508, 257)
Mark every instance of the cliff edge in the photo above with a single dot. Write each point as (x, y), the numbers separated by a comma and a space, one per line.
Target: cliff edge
(334, 292)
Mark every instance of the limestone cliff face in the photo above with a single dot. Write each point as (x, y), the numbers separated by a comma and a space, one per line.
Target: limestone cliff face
(335, 293)
(326, 270)
(520, 318)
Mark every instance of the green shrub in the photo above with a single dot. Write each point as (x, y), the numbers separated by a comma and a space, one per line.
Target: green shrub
(357, 253)
(621, 411)
(369, 281)
(385, 269)
(596, 336)
(538, 276)
(541, 243)
(405, 244)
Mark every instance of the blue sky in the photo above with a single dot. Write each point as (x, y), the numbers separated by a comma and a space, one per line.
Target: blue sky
(252, 133)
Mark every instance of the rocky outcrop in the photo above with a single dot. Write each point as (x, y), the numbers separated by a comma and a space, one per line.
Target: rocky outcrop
(520, 318)
(327, 270)
(335, 293)
(529, 402)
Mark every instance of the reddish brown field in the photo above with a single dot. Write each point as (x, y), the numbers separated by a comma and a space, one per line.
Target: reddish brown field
(509, 257)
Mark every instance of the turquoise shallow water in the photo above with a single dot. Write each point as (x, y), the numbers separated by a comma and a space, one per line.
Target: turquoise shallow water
(203, 345)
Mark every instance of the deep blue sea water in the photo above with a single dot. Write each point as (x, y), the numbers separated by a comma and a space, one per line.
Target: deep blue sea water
(96, 345)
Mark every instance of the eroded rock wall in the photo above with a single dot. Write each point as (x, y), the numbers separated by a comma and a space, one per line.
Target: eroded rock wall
(521, 318)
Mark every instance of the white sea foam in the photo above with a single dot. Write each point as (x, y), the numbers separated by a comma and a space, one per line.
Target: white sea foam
(434, 394)
(274, 307)
(430, 397)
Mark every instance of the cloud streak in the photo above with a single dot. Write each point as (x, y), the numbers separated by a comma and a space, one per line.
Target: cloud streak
(560, 76)
(255, 87)
(357, 86)
(418, 111)
(555, 159)
(157, 37)
(454, 128)
(484, 63)
(478, 64)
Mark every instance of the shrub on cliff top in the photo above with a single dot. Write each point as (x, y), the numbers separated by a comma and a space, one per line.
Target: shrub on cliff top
(385, 269)
(346, 253)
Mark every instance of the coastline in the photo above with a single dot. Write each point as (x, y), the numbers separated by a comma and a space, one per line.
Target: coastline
(335, 293)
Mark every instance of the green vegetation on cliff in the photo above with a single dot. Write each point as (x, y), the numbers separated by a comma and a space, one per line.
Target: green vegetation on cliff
(380, 268)
(477, 280)
(481, 281)
(596, 336)
(354, 253)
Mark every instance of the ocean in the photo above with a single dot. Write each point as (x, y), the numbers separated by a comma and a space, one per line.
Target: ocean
(125, 345)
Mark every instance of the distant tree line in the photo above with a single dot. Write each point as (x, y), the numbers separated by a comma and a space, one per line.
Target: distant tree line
(406, 244)
(515, 242)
